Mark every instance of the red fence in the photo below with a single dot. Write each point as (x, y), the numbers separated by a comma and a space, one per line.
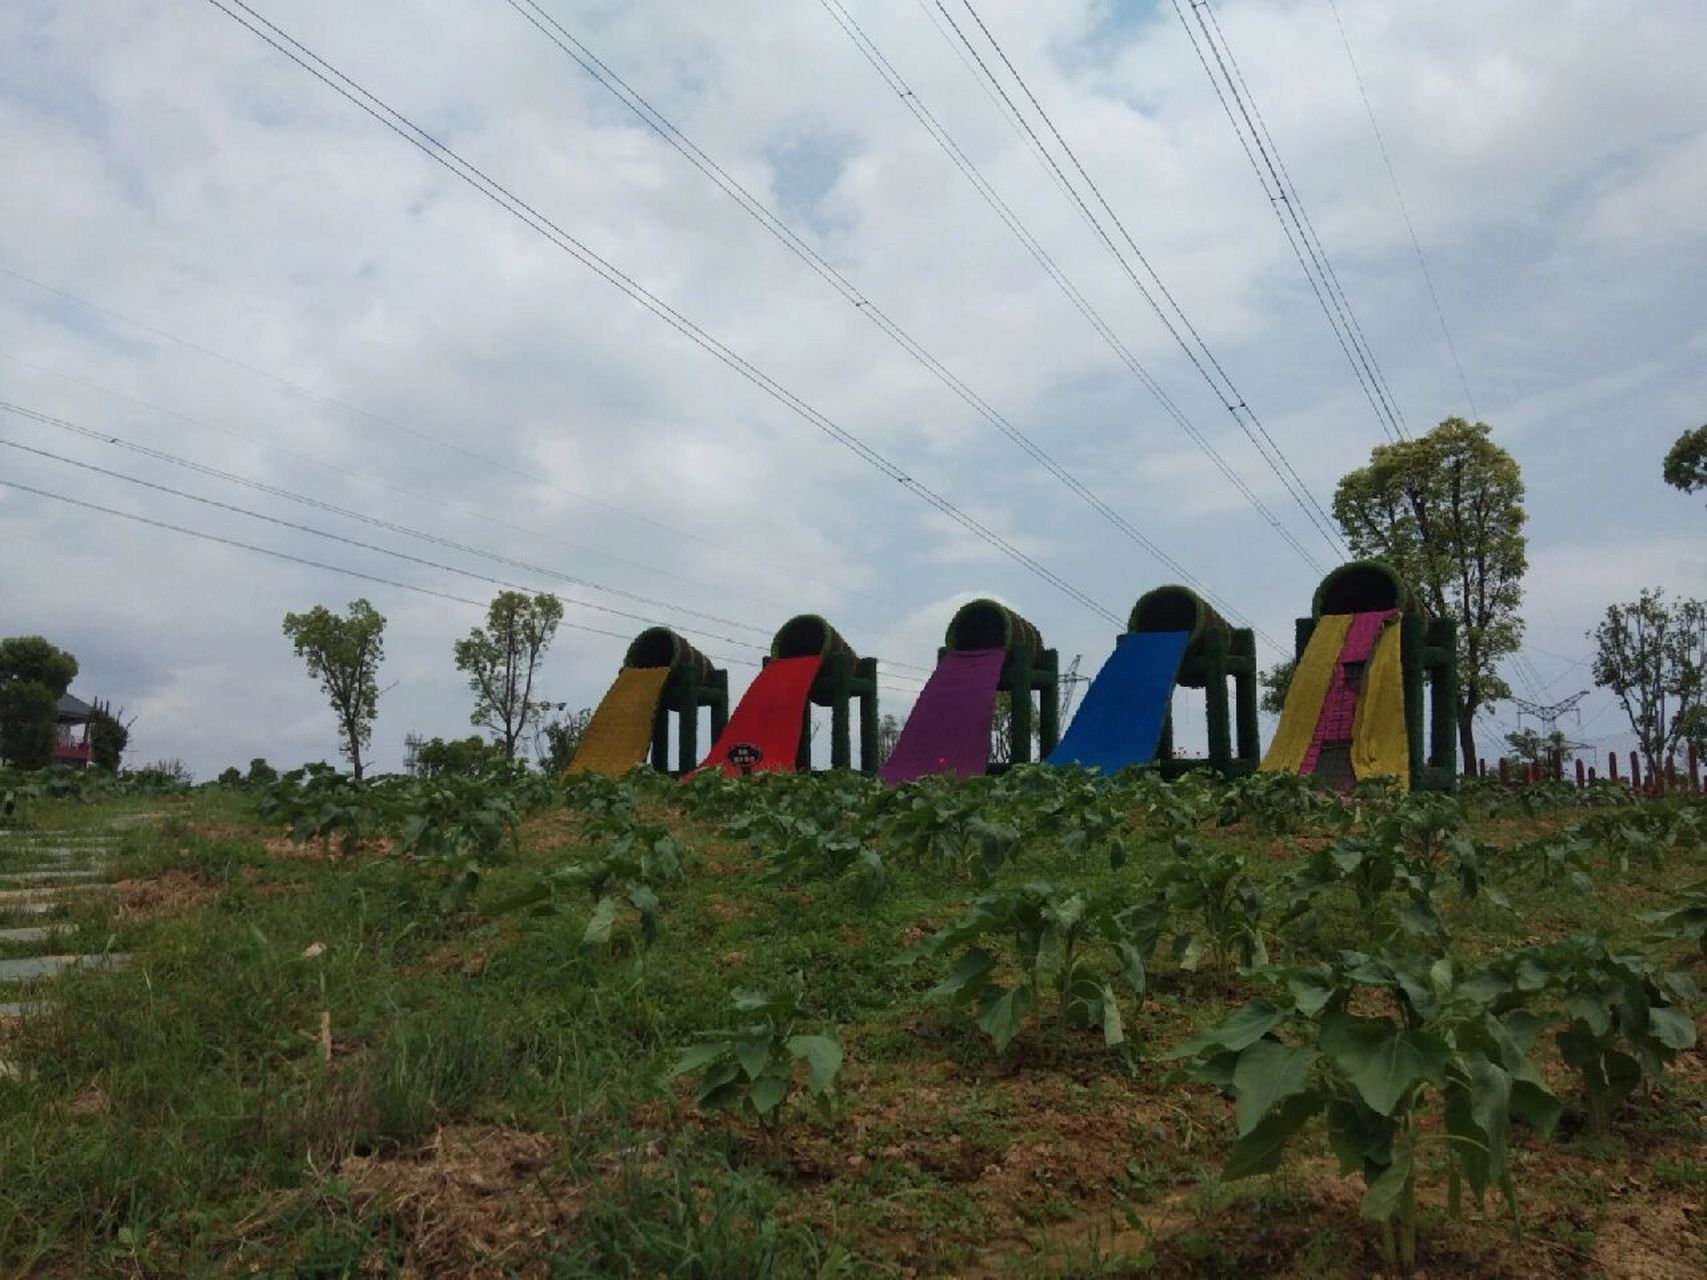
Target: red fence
(1668, 778)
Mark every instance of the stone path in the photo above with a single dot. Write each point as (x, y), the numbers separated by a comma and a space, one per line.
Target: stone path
(43, 874)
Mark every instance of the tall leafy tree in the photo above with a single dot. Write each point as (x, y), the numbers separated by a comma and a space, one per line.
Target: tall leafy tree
(1532, 747)
(558, 739)
(1686, 463)
(33, 660)
(1446, 510)
(109, 735)
(344, 654)
(502, 659)
(29, 724)
(888, 734)
(1653, 655)
(1275, 682)
(34, 675)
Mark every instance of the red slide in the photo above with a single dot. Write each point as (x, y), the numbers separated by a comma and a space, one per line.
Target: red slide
(764, 732)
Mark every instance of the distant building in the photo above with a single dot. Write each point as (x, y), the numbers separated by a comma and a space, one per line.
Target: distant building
(71, 747)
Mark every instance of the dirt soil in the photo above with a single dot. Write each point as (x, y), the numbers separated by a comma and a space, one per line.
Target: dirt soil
(474, 1200)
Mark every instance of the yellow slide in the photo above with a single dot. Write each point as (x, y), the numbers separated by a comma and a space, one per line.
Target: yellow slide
(1379, 743)
(1305, 695)
(620, 731)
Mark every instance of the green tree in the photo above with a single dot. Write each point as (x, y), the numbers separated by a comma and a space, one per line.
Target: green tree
(34, 675)
(1686, 464)
(109, 735)
(344, 654)
(558, 739)
(1653, 655)
(1446, 511)
(1001, 729)
(1274, 683)
(888, 734)
(33, 660)
(29, 724)
(456, 758)
(502, 658)
(1530, 747)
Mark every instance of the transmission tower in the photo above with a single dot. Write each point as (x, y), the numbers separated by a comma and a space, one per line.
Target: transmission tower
(1548, 715)
(1070, 681)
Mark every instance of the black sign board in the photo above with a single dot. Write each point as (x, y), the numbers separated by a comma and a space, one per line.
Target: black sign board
(744, 755)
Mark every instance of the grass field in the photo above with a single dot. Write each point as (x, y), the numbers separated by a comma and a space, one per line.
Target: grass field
(336, 1058)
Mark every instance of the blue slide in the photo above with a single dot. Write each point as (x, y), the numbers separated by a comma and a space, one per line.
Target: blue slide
(1121, 719)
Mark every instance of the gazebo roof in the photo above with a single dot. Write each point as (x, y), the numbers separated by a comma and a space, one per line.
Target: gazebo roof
(74, 708)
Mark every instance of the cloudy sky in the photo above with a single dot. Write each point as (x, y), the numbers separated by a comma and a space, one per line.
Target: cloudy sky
(207, 254)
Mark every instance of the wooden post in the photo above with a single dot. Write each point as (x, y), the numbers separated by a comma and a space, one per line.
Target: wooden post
(1635, 772)
(1503, 771)
(1591, 776)
(1481, 768)
(1581, 778)
(1612, 766)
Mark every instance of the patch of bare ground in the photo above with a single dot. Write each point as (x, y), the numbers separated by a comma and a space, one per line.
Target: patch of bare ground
(282, 846)
(474, 1201)
(169, 893)
(218, 831)
(1653, 1239)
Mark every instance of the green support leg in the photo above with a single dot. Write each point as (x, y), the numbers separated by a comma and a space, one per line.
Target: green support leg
(1245, 698)
(1216, 705)
(661, 735)
(1019, 722)
(1443, 718)
(719, 703)
(1049, 713)
(841, 739)
(687, 732)
(867, 672)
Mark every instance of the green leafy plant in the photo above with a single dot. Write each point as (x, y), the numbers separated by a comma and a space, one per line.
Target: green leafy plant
(1560, 857)
(1211, 906)
(626, 874)
(318, 802)
(800, 847)
(459, 825)
(1372, 1079)
(1687, 920)
(1048, 936)
(751, 1067)
(1281, 803)
(953, 830)
(1619, 1028)
(1404, 852)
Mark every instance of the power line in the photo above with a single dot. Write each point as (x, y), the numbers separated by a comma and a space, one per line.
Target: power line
(1289, 209)
(375, 481)
(352, 542)
(275, 491)
(453, 163)
(940, 135)
(1197, 350)
(268, 551)
(159, 455)
(1404, 210)
(345, 406)
(1294, 204)
(655, 120)
(306, 562)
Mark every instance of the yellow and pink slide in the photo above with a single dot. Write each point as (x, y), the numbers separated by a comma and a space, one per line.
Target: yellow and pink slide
(1344, 718)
